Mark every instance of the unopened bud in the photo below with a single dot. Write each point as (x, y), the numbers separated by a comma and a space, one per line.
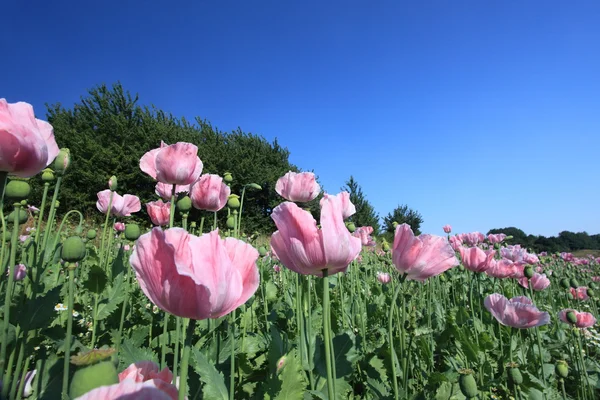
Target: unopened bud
(47, 175)
(113, 183)
(571, 317)
(227, 177)
(351, 227)
(184, 204)
(562, 369)
(528, 272)
(62, 161)
(467, 384)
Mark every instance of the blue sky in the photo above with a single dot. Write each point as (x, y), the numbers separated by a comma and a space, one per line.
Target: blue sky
(480, 114)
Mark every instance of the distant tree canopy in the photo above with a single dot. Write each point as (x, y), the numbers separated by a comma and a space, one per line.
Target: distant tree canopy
(565, 241)
(108, 132)
(402, 215)
(365, 212)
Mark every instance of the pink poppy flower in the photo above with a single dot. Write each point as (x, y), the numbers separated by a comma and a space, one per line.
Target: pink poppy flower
(27, 144)
(364, 234)
(195, 277)
(584, 319)
(423, 256)
(538, 281)
(348, 208)
(128, 389)
(543, 254)
(122, 206)
(276, 268)
(504, 269)
(513, 253)
(455, 242)
(143, 371)
(307, 250)
(566, 256)
(475, 259)
(580, 293)
(472, 239)
(301, 187)
(159, 212)
(119, 226)
(384, 277)
(164, 190)
(496, 238)
(20, 272)
(530, 259)
(447, 228)
(176, 164)
(209, 193)
(518, 312)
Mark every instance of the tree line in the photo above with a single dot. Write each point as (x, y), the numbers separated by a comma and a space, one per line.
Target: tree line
(565, 241)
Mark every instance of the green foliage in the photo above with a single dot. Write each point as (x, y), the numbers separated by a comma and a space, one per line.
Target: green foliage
(365, 212)
(565, 241)
(214, 384)
(402, 215)
(108, 131)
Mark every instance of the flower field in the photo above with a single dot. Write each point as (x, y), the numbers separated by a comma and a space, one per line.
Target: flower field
(321, 309)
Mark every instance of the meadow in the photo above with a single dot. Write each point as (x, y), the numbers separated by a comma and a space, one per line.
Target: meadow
(320, 309)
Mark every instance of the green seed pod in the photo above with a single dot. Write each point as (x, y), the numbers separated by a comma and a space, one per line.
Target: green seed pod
(23, 203)
(93, 376)
(73, 249)
(562, 369)
(528, 272)
(227, 177)
(574, 283)
(351, 227)
(47, 175)
(255, 186)
(62, 161)
(113, 183)
(593, 285)
(231, 222)
(193, 224)
(591, 293)
(184, 204)
(91, 234)
(571, 317)
(565, 283)
(468, 386)
(7, 235)
(515, 377)
(132, 231)
(385, 246)
(262, 250)
(22, 216)
(17, 189)
(234, 201)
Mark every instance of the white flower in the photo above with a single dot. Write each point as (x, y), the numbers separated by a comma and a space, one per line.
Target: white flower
(60, 307)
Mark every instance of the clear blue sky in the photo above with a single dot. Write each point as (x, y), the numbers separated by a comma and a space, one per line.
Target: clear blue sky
(480, 114)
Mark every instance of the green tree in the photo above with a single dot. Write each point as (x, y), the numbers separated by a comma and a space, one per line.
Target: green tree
(108, 131)
(402, 215)
(365, 212)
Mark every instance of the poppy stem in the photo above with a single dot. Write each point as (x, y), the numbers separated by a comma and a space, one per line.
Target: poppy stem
(327, 336)
(191, 324)
(232, 366)
(65, 383)
(391, 335)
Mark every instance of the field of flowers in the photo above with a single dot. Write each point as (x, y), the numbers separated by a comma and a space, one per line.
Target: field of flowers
(319, 310)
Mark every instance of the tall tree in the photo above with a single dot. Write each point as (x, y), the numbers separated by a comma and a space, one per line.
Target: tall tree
(365, 212)
(403, 215)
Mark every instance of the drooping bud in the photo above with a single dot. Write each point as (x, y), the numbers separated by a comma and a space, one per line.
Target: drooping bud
(119, 226)
(113, 184)
(20, 272)
(47, 175)
(73, 249)
(254, 186)
(528, 272)
(233, 201)
(92, 376)
(132, 231)
(91, 234)
(227, 177)
(571, 317)
(17, 189)
(351, 227)
(184, 204)
(62, 161)
(467, 384)
(562, 369)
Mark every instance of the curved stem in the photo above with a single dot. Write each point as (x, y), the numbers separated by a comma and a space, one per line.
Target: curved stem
(239, 221)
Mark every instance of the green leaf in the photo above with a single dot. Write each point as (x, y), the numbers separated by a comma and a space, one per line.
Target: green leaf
(115, 295)
(214, 384)
(293, 384)
(130, 353)
(40, 311)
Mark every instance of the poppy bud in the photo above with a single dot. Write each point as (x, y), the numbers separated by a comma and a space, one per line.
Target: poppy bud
(515, 377)
(254, 186)
(132, 231)
(562, 369)
(17, 189)
(262, 251)
(468, 386)
(591, 293)
(91, 234)
(574, 283)
(571, 317)
(227, 177)
(22, 216)
(231, 222)
(351, 227)
(564, 283)
(73, 249)
(528, 272)
(62, 161)
(113, 184)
